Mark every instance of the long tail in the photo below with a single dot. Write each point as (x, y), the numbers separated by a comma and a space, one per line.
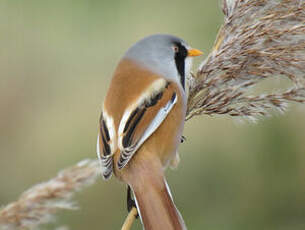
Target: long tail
(154, 201)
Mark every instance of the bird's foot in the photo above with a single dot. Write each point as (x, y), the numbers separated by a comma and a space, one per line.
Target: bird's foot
(130, 201)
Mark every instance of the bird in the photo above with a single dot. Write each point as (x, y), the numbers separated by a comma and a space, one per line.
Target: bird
(142, 121)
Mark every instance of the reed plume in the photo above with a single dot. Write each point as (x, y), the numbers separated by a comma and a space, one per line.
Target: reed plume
(260, 39)
(38, 204)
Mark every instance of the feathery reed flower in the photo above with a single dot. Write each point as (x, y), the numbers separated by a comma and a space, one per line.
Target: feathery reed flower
(38, 204)
(260, 39)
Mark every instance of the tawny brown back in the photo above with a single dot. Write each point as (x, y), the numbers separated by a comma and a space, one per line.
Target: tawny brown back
(128, 83)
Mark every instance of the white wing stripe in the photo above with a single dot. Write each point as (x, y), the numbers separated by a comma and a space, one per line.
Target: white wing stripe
(154, 88)
(127, 153)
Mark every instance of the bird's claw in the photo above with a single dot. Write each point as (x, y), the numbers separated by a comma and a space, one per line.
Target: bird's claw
(130, 201)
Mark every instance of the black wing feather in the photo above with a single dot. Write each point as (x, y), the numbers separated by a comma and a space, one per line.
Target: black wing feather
(106, 157)
(129, 144)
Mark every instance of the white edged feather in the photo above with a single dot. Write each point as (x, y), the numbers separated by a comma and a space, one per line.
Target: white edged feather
(127, 153)
(154, 88)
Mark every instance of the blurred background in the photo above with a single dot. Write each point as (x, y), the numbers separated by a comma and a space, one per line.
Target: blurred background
(56, 61)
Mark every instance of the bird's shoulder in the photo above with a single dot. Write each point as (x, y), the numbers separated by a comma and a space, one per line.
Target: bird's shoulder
(131, 84)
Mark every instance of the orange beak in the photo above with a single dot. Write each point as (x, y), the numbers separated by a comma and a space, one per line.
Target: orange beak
(194, 53)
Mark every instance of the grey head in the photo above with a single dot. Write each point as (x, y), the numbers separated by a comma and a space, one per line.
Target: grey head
(163, 54)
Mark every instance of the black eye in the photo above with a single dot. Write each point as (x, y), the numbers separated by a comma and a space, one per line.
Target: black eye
(176, 49)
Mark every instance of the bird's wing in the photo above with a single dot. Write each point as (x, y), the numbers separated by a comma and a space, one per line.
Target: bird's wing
(141, 120)
(138, 122)
(106, 144)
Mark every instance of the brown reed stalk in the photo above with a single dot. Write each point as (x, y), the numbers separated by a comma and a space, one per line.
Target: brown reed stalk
(260, 39)
(38, 204)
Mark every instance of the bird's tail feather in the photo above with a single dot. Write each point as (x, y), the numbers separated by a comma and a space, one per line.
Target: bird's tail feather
(155, 204)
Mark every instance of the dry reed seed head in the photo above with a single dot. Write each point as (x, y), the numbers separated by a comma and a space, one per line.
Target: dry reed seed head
(38, 204)
(260, 39)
